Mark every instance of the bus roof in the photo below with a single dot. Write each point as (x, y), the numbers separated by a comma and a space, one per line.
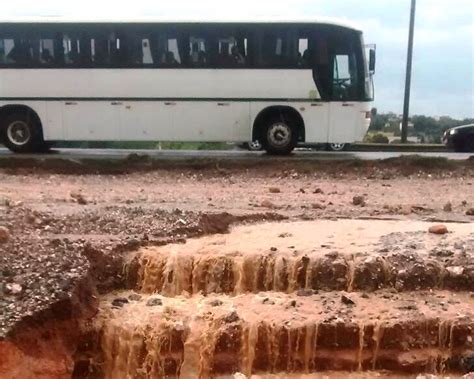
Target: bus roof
(164, 20)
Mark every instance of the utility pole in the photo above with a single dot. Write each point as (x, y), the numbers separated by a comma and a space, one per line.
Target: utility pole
(406, 105)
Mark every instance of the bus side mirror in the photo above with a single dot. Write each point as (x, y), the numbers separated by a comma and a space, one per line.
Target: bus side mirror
(372, 61)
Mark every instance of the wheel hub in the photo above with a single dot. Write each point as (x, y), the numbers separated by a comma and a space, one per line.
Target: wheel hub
(337, 146)
(279, 134)
(19, 133)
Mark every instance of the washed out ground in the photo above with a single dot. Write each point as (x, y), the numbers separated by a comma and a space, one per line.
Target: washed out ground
(65, 230)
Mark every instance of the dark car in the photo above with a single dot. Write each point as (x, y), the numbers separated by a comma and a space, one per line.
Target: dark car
(460, 138)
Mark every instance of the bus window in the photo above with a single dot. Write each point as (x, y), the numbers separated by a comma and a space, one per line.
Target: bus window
(199, 51)
(304, 54)
(344, 77)
(47, 51)
(17, 51)
(6, 46)
(275, 50)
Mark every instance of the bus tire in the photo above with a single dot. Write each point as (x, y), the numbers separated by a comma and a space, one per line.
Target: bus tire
(279, 136)
(22, 133)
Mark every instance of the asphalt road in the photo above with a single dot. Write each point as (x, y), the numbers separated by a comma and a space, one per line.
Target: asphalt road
(228, 154)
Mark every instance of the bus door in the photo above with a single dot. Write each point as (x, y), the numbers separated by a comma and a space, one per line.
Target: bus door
(344, 111)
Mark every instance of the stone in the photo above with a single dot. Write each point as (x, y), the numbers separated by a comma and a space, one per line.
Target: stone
(358, 201)
(267, 204)
(438, 229)
(5, 202)
(318, 191)
(455, 270)
(448, 207)
(347, 300)
(78, 198)
(470, 212)
(119, 302)
(4, 234)
(154, 302)
(317, 206)
(216, 303)
(135, 297)
(274, 190)
(232, 317)
(304, 292)
(14, 288)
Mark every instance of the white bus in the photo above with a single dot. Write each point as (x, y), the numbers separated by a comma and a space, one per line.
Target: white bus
(278, 82)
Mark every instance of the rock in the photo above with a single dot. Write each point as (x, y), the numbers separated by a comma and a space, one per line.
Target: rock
(239, 375)
(274, 190)
(273, 249)
(318, 191)
(154, 302)
(4, 234)
(358, 201)
(317, 206)
(232, 317)
(268, 301)
(468, 365)
(347, 300)
(464, 203)
(5, 202)
(470, 212)
(14, 288)
(455, 270)
(293, 303)
(216, 303)
(438, 229)
(78, 198)
(448, 207)
(304, 293)
(267, 204)
(135, 297)
(119, 302)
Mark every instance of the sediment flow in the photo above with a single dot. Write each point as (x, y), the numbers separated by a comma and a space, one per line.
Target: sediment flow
(292, 299)
(203, 336)
(322, 255)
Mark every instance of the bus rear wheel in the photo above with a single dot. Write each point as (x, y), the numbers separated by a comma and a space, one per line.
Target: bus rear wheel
(279, 136)
(22, 134)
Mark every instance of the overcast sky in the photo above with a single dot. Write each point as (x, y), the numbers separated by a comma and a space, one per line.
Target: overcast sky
(443, 81)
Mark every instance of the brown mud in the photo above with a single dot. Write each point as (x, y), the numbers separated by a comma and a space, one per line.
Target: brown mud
(84, 236)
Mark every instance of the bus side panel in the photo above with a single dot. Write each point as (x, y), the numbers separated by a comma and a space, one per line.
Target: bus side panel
(53, 125)
(184, 121)
(158, 84)
(91, 120)
(348, 122)
(211, 121)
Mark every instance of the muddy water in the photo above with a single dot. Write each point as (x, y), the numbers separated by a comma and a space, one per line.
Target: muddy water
(201, 337)
(233, 306)
(322, 255)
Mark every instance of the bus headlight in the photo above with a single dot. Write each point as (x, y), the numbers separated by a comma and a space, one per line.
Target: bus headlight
(452, 132)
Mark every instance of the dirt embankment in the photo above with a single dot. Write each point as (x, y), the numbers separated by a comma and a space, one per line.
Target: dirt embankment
(54, 268)
(65, 230)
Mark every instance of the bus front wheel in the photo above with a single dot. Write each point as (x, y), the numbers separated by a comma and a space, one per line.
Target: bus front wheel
(279, 136)
(22, 134)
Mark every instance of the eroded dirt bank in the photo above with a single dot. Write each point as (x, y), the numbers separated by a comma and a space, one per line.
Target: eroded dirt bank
(64, 239)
